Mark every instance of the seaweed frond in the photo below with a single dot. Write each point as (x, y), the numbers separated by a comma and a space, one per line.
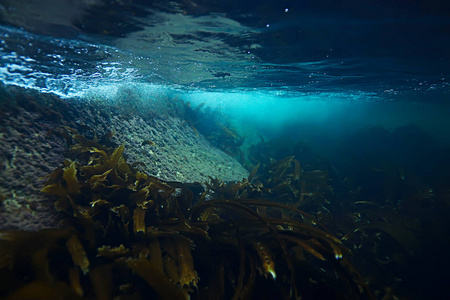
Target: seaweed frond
(157, 239)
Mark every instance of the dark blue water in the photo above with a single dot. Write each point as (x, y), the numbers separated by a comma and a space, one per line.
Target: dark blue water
(263, 56)
(357, 49)
(364, 83)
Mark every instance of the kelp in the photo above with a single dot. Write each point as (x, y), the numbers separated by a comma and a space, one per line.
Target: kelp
(282, 181)
(130, 235)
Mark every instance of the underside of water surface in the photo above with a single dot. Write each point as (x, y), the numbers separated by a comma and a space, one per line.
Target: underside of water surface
(207, 149)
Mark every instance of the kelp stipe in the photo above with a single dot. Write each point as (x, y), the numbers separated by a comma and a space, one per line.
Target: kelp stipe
(131, 235)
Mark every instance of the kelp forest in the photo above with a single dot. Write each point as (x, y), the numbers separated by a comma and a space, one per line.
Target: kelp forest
(299, 227)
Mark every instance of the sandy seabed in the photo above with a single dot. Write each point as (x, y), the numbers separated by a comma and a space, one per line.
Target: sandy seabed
(153, 131)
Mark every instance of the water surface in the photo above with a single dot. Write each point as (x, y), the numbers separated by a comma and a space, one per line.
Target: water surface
(358, 49)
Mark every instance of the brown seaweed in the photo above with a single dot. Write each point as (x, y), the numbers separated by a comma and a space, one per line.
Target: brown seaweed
(130, 225)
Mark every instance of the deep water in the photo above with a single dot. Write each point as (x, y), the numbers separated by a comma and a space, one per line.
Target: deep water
(357, 89)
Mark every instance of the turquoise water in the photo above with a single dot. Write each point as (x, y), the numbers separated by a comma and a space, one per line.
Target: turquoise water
(364, 84)
(382, 51)
(320, 62)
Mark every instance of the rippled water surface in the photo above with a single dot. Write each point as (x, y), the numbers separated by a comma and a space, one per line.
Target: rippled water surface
(368, 49)
(353, 95)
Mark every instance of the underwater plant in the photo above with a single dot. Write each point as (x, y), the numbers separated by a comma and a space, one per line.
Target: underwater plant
(380, 209)
(129, 235)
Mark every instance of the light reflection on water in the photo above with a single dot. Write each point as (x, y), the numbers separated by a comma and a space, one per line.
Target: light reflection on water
(193, 49)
